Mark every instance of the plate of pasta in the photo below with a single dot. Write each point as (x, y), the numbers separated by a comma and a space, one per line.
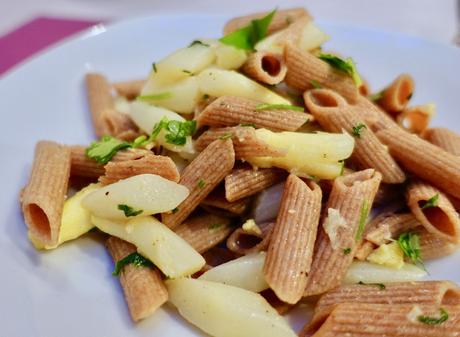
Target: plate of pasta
(264, 175)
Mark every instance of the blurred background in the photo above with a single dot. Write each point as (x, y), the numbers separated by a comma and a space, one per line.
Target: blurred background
(27, 26)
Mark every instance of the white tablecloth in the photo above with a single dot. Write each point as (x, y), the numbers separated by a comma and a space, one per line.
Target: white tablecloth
(433, 19)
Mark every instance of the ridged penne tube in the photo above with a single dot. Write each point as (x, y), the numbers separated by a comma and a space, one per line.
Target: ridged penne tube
(396, 96)
(82, 166)
(243, 243)
(304, 67)
(388, 226)
(43, 197)
(444, 138)
(201, 176)
(369, 320)
(426, 160)
(244, 182)
(281, 19)
(333, 114)
(129, 89)
(433, 246)
(159, 165)
(290, 250)
(245, 142)
(106, 120)
(204, 231)
(217, 199)
(421, 292)
(351, 198)
(265, 67)
(416, 119)
(433, 210)
(143, 286)
(231, 111)
(372, 114)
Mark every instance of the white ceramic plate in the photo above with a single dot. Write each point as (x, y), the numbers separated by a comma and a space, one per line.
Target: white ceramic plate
(70, 291)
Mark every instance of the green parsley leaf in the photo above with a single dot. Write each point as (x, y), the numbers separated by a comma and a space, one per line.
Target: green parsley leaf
(347, 66)
(315, 84)
(198, 42)
(356, 130)
(201, 183)
(342, 169)
(381, 286)
(214, 226)
(226, 136)
(187, 71)
(362, 219)
(248, 36)
(176, 131)
(377, 96)
(154, 97)
(128, 210)
(432, 202)
(154, 67)
(175, 210)
(103, 150)
(140, 141)
(410, 245)
(135, 259)
(433, 320)
(264, 106)
(347, 251)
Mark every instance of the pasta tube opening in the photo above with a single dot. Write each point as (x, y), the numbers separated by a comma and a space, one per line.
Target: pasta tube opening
(439, 219)
(41, 222)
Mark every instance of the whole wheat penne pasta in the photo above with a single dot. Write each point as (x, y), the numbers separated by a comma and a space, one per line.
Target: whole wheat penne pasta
(129, 89)
(374, 116)
(106, 120)
(201, 176)
(143, 286)
(243, 243)
(455, 202)
(364, 249)
(245, 142)
(280, 306)
(290, 250)
(425, 160)
(433, 246)
(349, 203)
(365, 88)
(204, 231)
(388, 226)
(396, 96)
(82, 166)
(416, 119)
(444, 138)
(281, 19)
(159, 165)
(369, 152)
(43, 197)
(245, 181)
(304, 67)
(369, 320)
(394, 293)
(265, 67)
(217, 199)
(433, 210)
(232, 110)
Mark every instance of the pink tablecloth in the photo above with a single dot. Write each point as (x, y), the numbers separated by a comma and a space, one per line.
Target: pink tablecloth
(34, 36)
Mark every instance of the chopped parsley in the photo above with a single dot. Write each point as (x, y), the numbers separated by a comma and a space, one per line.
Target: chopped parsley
(214, 226)
(129, 211)
(175, 210)
(377, 96)
(247, 37)
(140, 141)
(104, 150)
(381, 286)
(154, 97)
(250, 125)
(226, 136)
(187, 71)
(315, 84)
(154, 67)
(342, 169)
(356, 130)
(201, 183)
(176, 131)
(347, 251)
(135, 259)
(198, 42)
(363, 213)
(347, 66)
(433, 320)
(432, 202)
(410, 245)
(264, 106)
